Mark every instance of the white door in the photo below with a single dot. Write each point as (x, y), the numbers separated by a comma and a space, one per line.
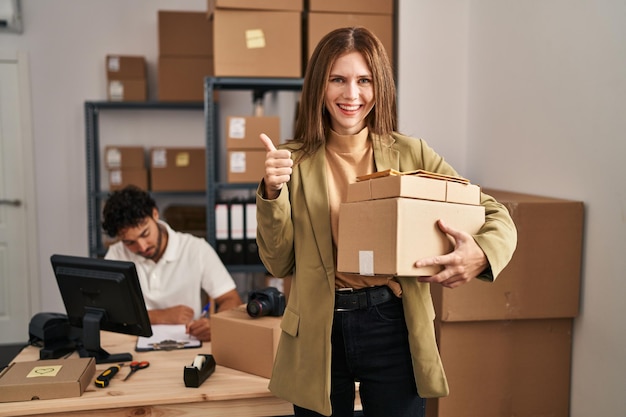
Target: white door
(18, 289)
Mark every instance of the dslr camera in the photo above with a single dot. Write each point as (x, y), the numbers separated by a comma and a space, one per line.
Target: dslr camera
(266, 302)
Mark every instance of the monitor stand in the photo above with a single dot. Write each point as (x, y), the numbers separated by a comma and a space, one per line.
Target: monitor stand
(91, 341)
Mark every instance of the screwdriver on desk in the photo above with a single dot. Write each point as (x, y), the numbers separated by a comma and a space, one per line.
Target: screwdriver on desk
(103, 379)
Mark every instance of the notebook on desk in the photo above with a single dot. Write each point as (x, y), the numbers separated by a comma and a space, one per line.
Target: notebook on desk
(167, 337)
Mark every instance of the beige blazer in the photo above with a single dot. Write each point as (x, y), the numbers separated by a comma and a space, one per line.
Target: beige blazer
(294, 237)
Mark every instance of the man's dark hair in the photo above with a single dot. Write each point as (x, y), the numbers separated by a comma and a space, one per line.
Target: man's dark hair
(126, 208)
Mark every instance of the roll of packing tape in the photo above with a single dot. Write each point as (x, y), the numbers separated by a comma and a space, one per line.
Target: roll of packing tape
(198, 363)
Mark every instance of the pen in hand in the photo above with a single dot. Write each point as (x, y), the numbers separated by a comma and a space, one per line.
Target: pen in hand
(205, 311)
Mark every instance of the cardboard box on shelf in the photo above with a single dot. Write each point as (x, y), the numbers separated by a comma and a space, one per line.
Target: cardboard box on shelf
(293, 5)
(319, 24)
(524, 368)
(242, 132)
(127, 90)
(182, 78)
(244, 343)
(178, 169)
(352, 6)
(120, 178)
(543, 278)
(257, 43)
(125, 67)
(184, 34)
(400, 231)
(124, 157)
(46, 379)
(245, 166)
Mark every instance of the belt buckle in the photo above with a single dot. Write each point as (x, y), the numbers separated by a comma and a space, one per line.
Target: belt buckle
(342, 291)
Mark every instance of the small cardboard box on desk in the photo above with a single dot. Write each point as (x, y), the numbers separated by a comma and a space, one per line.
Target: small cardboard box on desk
(245, 343)
(46, 379)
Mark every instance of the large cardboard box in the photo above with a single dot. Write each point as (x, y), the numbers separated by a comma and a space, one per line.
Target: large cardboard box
(505, 368)
(399, 232)
(319, 24)
(184, 33)
(125, 67)
(352, 6)
(413, 186)
(124, 157)
(244, 343)
(245, 166)
(182, 78)
(293, 5)
(120, 178)
(257, 43)
(544, 276)
(178, 169)
(243, 132)
(46, 379)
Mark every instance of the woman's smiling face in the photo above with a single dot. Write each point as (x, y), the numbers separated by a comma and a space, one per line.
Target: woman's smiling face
(349, 93)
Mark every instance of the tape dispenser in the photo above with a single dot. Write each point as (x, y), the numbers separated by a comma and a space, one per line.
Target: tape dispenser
(202, 367)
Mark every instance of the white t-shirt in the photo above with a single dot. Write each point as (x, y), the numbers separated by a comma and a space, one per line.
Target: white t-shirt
(188, 264)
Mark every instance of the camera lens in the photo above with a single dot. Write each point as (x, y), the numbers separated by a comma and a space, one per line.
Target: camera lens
(257, 308)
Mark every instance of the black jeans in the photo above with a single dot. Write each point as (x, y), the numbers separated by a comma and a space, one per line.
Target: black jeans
(371, 346)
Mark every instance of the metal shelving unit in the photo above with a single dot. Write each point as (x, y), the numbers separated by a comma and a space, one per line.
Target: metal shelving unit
(258, 86)
(95, 195)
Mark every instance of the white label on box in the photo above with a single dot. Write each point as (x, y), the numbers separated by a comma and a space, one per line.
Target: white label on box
(114, 63)
(237, 128)
(238, 162)
(113, 158)
(116, 90)
(159, 158)
(366, 263)
(255, 38)
(115, 177)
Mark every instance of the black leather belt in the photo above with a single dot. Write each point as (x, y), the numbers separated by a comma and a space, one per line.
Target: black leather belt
(347, 299)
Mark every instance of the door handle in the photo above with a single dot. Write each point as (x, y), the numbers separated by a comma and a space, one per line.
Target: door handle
(7, 202)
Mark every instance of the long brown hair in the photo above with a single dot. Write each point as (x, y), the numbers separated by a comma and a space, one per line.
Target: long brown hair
(313, 122)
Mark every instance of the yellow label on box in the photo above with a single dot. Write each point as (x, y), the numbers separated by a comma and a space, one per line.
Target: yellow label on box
(182, 159)
(38, 371)
(255, 38)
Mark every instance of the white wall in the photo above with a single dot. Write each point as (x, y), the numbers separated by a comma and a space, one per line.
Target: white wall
(526, 96)
(534, 99)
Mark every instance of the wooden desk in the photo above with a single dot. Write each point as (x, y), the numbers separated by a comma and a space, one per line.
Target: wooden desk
(158, 390)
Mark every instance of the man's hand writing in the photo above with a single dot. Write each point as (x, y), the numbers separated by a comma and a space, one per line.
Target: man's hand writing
(180, 314)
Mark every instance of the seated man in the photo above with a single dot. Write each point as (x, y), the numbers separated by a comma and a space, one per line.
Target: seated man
(172, 267)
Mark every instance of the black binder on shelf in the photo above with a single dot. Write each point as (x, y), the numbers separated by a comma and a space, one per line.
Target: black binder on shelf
(252, 250)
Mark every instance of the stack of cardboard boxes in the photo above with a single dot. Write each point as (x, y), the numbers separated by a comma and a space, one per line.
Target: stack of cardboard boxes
(506, 346)
(126, 165)
(254, 38)
(185, 55)
(325, 15)
(126, 78)
(401, 211)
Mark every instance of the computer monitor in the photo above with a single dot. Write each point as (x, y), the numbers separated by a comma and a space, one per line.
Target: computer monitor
(99, 295)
